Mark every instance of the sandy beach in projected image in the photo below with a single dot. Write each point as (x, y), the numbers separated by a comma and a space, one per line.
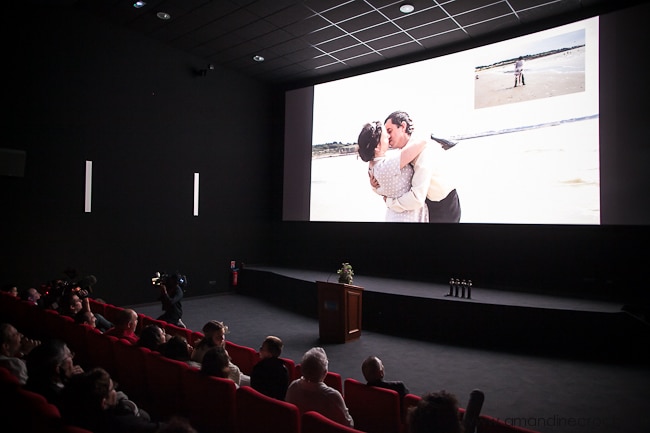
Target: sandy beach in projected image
(542, 176)
(553, 75)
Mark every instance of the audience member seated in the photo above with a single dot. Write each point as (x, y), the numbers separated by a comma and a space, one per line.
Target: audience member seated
(14, 346)
(216, 362)
(179, 349)
(214, 334)
(72, 305)
(11, 290)
(270, 375)
(435, 413)
(32, 296)
(86, 318)
(124, 327)
(90, 400)
(373, 371)
(50, 365)
(151, 337)
(310, 392)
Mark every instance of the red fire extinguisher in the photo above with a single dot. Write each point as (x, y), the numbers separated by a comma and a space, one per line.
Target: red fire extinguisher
(233, 280)
(234, 271)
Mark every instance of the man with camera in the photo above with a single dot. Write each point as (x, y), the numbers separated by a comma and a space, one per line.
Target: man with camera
(171, 295)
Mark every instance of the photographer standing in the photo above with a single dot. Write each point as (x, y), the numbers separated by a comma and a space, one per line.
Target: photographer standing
(171, 294)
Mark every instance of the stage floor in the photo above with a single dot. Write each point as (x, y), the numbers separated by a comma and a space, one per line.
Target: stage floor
(438, 291)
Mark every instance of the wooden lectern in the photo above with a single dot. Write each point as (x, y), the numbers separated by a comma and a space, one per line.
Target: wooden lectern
(339, 312)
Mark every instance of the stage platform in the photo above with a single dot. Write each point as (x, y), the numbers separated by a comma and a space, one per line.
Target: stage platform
(494, 319)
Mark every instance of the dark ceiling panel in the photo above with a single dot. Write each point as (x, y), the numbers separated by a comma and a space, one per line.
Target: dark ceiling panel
(324, 35)
(461, 7)
(493, 25)
(337, 44)
(443, 39)
(483, 14)
(426, 17)
(306, 39)
(289, 15)
(362, 21)
(347, 11)
(377, 32)
(391, 41)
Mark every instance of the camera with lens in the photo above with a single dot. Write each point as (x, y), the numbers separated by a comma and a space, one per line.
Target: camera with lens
(160, 278)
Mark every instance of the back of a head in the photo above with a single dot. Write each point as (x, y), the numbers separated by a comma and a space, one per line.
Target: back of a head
(213, 326)
(371, 369)
(43, 360)
(435, 413)
(150, 337)
(83, 395)
(123, 318)
(274, 345)
(83, 317)
(176, 348)
(314, 364)
(215, 362)
(368, 140)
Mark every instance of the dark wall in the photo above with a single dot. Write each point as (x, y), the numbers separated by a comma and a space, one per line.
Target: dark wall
(593, 261)
(80, 90)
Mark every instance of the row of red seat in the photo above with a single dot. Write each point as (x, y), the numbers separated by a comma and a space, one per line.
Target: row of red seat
(165, 387)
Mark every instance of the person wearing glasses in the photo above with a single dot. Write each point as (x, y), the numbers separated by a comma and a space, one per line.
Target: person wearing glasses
(49, 367)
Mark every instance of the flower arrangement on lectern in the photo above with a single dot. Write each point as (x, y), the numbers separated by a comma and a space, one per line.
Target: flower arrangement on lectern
(345, 273)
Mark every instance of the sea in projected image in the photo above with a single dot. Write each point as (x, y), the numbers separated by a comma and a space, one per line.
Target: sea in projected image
(540, 175)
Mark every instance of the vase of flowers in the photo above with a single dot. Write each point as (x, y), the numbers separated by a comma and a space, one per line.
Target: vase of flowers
(345, 273)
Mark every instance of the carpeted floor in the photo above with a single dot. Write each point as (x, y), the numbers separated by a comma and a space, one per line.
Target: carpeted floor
(550, 395)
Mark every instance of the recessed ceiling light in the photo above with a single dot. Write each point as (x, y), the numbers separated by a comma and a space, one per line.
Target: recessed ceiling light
(407, 8)
(163, 15)
(139, 4)
(258, 58)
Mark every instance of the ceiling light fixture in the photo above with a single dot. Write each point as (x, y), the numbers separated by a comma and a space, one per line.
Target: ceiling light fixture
(139, 4)
(163, 15)
(407, 8)
(258, 58)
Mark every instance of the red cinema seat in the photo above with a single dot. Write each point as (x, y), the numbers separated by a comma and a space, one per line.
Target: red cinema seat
(111, 312)
(410, 400)
(34, 413)
(165, 385)
(314, 422)
(177, 330)
(76, 337)
(101, 352)
(131, 374)
(97, 307)
(291, 368)
(256, 410)
(242, 356)
(144, 321)
(373, 409)
(210, 402)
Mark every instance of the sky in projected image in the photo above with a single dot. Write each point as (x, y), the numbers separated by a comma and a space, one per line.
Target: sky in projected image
(525, 154)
